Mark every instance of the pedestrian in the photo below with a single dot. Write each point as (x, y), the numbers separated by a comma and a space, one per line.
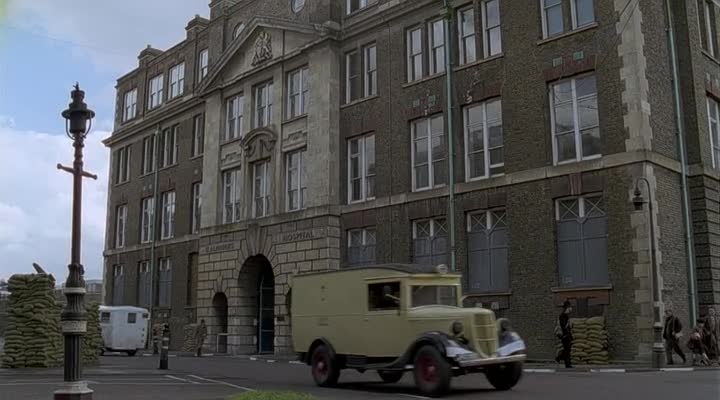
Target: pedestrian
(200, 336)
(710, 335)
(672, 334)
(696, 344)
(565, 335)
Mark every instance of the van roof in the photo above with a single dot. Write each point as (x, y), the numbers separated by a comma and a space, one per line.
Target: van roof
(407, 269)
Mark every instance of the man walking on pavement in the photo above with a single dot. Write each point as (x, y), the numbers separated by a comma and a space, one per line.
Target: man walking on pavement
(672, 334)
(200, 337)
(565, 335)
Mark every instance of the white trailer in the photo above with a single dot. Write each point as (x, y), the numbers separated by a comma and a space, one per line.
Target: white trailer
(124, 328)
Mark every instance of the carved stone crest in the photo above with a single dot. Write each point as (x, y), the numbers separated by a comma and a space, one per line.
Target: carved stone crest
(263, 48)
(259, 144)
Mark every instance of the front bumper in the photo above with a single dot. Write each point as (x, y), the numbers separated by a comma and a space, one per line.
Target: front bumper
(481, 362)
(513, 351)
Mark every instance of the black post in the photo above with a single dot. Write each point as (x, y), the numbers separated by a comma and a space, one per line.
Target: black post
(165, 348)
(74, 317)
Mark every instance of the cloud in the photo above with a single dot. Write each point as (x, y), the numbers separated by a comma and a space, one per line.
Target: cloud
(36, 202)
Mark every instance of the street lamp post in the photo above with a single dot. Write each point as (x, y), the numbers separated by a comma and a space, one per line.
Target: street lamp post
(74, 316)
(658, 349)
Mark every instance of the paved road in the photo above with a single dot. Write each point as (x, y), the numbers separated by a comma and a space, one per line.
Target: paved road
(121, 378)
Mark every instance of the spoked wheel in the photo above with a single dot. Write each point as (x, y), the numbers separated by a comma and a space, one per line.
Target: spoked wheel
(432, 372)
(324, 367)
(390, 376)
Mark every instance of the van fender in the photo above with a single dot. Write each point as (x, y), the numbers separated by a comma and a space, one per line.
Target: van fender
(440, 340)
(306, 357)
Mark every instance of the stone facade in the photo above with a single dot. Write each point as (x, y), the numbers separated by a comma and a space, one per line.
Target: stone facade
(249, 261)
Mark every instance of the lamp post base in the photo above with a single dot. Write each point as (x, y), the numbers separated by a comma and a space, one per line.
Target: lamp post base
(74, 391)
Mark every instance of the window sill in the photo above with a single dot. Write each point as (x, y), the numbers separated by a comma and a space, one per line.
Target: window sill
(422, 80)
(168, 167)
(479, 62)
(129, 120)
(359, 11)
(580, 289)
(362, 201)
(486, 294)
(559, 36)
(121, 183)
(146, 174)
(570, 162)
(710, 56)
(296, 118)
(231, 141)
(484, 178)
(358, 101)
(196, 157)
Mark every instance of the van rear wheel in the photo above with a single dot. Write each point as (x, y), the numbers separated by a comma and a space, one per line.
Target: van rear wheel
(432, 372)
(325, 370)
(390, 376)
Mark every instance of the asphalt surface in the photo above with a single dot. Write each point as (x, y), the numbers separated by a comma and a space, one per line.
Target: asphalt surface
(138, 378)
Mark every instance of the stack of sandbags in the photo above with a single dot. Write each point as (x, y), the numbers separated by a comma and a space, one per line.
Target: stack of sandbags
(33, 337)
(590, 341)
(189, 344)
(92, 341)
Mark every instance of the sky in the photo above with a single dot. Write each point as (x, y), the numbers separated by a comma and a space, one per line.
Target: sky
(45, 47)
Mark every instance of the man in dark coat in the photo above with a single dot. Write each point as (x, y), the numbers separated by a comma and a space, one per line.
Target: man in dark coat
(565, 335)
(672, 334)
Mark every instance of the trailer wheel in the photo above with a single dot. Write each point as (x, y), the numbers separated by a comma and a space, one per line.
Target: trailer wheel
(324, 366)
(432, 372)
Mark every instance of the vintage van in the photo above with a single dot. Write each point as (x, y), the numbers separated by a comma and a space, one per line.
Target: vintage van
(124, 328)
(396, 319)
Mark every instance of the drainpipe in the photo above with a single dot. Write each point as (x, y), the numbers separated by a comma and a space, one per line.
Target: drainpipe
(451, 141)
(692, 288)
(156, 142)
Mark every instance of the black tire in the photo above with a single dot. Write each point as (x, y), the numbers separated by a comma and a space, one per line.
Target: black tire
(504, 376)
(432, 372)
(390, 376)
(324, 365)
(131, 353)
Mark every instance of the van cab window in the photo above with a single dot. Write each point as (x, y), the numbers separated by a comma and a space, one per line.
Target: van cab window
(434, 295)
(104, 317)
(384, 296)
(132, 318)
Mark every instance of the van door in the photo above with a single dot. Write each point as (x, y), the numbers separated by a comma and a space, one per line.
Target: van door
(383, 317)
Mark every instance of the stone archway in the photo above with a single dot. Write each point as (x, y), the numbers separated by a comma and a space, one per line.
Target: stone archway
(220, 321)
(258, 281)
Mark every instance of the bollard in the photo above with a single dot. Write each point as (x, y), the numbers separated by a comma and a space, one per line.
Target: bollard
(164, 349)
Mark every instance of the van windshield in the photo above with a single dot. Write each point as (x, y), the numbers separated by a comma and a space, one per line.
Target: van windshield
(433, 295)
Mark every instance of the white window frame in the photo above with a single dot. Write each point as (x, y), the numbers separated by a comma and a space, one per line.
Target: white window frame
(164, 265)
(301, 187)
(348, 78)
(170, 147)
(433, 228)
(574, 15)
(577, 134)
(130, 105)
(361, 4)
(231, 195)
(177, 80)
(122, 164)
(486, 29)
(118, 270)
(297, 5)
(437, 66)
(261, 172)
(234, 110)
(300, 96)
(413, 75)
(120, 226)
(147, 219)
(156, 92)
(196, 207)
(203, 64)
(486, 141)
(431, 172)
(370, 70)
(466, 36)
(712, 45)
(365, 176)
(581, 204)
(167, 218)
(714, 141)
(543, 11)
(364, 241)
(148, 159)
(198, 138)
(263, 105)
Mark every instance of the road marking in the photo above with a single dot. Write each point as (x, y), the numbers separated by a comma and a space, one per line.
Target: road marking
(296, 362)
(677, 369)
(179, 379)
(609, 370)
(414, 396)
(540, 370)
(270, 361)
(222, 383)
(253, 359)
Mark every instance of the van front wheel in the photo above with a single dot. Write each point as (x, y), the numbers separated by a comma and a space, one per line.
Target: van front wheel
(432, 372)
(324, 366)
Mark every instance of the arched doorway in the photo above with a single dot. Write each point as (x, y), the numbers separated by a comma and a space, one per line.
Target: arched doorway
(220, 321)
(266, 311)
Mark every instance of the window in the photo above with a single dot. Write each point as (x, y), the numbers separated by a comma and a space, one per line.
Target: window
(132, 318)
(156, 91)
(203, 62)
(177, 80)
(122, 165)
(120, 226)
(361, 168)
(428, 153)
(384, 296)
(167, 218)
(261, 189)
(437, 46)
(104, 317)
(708, 24)
(582, 13)
(148, 156)
(263, 104)
(352, 74)
(466, 28)
(714, 130)
(234, 122)
(492, 41)
(483, 140)
(118, 287)
(297, 92)
(354, 5)
(582, 241)
(239, 28)
(361, 246)
(430, 241)
(190, 289)
(198, 139)
(231, 195)
(165, 282)
(370, 69)
(144, 294)
(574, 119)
(298, 5)
(487, 251)
(147, 222)
(415, 54)
(434, 295)
(296, 180)
(197, 207)
(130, 105)
(169, 153)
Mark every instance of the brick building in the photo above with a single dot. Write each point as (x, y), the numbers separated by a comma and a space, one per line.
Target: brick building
(284, 136)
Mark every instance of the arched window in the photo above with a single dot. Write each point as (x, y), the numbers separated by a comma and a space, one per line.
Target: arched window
(238, 30)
